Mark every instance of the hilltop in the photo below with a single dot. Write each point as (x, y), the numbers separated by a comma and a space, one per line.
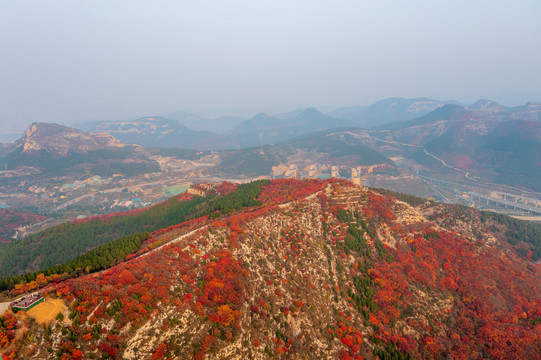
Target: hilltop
(60, 141)
(154, 131)
(306, 269)
(60, 149)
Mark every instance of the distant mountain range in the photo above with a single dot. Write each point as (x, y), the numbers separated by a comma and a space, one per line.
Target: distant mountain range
(186, 130)
(260, 129)
(324, 148)
(218, 125)
(59, 150)
(267, 129)
(485, 139)
(154, 132)
(388, 110)
(465, 137)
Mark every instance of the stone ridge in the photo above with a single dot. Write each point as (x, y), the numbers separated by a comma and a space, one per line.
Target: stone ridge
(61, 141)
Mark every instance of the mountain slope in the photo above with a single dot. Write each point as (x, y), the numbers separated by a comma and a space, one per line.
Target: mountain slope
(530, 111)
(326, 148)
(485, 139)
(56, 149)
(62, 243)
(60, 141)
(162, 132)
(155, 132)
(271, 130)
(514, 151)
(388, 111)
(334, 271)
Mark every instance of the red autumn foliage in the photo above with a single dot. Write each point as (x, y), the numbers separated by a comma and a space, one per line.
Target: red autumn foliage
(206, 345)
(8, 326)
(11, 220)
(225, 188)
(68, 351)
(286, 190)
(109, 217)
(224, 289)
(160, 352)
(379, 207)
(462, 298)
(498, 315)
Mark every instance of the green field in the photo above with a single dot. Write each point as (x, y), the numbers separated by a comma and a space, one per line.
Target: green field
(175, 190)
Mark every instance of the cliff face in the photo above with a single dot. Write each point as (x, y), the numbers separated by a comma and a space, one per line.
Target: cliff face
(321, 270)
(61, 141)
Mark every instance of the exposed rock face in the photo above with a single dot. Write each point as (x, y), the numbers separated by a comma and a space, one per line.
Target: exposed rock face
(60, 141)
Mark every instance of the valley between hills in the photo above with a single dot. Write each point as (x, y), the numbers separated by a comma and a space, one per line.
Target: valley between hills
(483, 155)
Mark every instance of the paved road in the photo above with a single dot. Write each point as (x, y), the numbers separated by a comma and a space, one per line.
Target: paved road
(3, 307)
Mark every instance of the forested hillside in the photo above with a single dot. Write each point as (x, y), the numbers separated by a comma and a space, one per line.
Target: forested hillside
(302, 269)
(62, 243)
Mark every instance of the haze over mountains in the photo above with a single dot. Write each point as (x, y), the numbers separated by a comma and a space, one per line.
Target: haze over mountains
(58, 150)
(486, 139)
(490, 141)
(227, 181)
(283, 267)
(192, 131)
(154, 132)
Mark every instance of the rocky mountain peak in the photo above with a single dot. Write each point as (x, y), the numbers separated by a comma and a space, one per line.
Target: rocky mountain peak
(61, 141)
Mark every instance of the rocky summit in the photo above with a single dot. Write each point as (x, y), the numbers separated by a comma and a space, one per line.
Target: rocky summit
(61, 141)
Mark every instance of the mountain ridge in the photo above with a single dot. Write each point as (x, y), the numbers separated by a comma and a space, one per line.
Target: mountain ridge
(319, 269)
(59, 140)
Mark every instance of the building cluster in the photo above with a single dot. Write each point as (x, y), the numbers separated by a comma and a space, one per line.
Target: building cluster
(291, 172)
(78, 184)
(26, 303)
(356, 173)
(365, 170)
(335, 173)
(356, 176)
(359, 172)
(312, 171)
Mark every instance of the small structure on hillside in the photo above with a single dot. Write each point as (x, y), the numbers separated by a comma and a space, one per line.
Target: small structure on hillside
(335, 173)
(27, 302)
(291, 173)
(312, 171)
(356, 176)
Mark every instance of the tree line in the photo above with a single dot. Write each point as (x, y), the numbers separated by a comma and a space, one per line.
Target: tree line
(77, 245)
(97, 259)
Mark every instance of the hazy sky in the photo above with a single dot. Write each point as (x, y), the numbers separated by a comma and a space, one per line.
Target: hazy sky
(71, 61)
